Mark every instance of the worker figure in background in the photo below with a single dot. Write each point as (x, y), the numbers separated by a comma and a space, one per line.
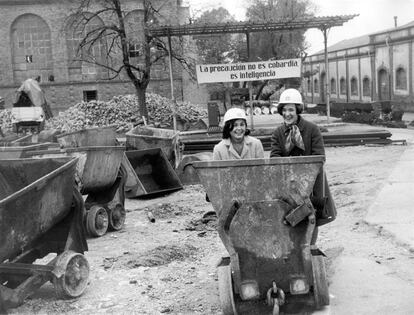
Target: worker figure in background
(30, 94)
(236, 142)
(299, 137)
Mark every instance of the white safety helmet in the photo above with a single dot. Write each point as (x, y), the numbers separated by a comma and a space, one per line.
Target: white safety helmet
(290, 96)
(234, 113)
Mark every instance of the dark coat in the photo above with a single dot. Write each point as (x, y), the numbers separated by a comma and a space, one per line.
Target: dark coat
(313, 141)
(311, 135)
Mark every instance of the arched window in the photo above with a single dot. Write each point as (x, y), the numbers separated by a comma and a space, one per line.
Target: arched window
(366, 87)
(333, 86)
(95, 51)
(401, 79)
(316, 86)
(31, 48)
(354, 86)
(342, 86)
(308, 85)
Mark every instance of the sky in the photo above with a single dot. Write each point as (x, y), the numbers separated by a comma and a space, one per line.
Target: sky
(374, 15)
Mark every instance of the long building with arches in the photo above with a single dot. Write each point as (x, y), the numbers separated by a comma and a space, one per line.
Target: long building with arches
(369, 68)
(39, 39)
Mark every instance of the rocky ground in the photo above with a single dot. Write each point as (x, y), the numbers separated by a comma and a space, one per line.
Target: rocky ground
(169, 266)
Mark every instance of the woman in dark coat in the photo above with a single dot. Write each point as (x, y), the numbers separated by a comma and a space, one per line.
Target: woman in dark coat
(299, 137)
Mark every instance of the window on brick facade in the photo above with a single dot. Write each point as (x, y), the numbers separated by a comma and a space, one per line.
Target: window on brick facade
(308, 85)
(81, 60)
(366, 87)
(354, 86)
(134, 50)
(342, 86)
(31, 47)
(316, 86)
(333, 86)
(90, 95)
(401, 79)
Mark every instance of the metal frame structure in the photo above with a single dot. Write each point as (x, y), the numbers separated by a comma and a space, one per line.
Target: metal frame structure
(324, 23)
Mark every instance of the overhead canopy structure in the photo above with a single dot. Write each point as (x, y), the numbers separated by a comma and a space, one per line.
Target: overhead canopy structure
(323, 22)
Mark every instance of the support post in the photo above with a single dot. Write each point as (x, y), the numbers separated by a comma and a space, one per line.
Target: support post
(174, 110)
(250, 83)
(327, 86)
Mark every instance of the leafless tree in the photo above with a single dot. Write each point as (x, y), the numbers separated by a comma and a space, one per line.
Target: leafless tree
(115, 35)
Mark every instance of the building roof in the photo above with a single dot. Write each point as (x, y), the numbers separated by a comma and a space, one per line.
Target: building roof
(360, 40)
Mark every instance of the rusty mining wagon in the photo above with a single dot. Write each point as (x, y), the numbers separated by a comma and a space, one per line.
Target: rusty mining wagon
(266, 221)
(41, 214)
(99, 175)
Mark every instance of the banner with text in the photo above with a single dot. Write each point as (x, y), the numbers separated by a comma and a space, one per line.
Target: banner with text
(249, 71)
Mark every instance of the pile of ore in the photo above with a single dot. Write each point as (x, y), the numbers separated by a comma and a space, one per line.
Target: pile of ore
(123, 112)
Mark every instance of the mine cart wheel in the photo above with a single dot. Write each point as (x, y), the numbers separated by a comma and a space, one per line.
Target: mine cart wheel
(97, 221)
(225, 287)
(117, 216)
(320, 283)
(74, 280)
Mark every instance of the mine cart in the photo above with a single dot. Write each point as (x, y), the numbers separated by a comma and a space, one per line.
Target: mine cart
(143, 137)
(266, 221)
(19, 151)
(149, 173)
(99, 136)
(41, 214)
(101, 177)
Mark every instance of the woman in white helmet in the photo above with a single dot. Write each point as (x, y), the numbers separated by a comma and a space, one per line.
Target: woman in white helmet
(236, 142)
(297, 137)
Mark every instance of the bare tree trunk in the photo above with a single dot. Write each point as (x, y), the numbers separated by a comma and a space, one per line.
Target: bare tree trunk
(142, 102)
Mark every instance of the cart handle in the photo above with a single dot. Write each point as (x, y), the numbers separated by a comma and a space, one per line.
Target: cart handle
(232, 213)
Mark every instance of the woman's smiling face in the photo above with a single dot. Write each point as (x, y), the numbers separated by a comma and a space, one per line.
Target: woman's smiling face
(289, 114)
(239, 129)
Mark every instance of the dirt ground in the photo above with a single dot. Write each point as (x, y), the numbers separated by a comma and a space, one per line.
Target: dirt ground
(169, 266)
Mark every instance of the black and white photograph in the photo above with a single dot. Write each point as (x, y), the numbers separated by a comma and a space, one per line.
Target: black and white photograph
(184, 157)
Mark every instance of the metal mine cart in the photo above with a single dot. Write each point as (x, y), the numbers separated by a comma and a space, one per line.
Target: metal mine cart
(15, 152)
(266, 221)
(101, 177)
(143, 137)
(149, 173)
(100, 136)
(41, 214)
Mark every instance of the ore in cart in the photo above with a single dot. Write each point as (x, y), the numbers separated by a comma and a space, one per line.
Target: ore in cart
(266, 221)
(100, 177)
(41, 213)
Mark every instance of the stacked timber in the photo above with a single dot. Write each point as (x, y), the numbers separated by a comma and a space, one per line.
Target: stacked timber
(201, 142)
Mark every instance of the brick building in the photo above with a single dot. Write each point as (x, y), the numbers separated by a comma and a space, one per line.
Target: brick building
(37, 41)
(374, 67)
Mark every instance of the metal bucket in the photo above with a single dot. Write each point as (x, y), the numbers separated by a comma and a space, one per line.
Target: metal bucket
(100, 136)
(35, 194)
(141, 138)
(97, 167)
(185, 170)
(20, 151)
(257, 179)
(149, 172)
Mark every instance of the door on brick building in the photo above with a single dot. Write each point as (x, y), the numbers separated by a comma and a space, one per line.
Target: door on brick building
(383, 85)
(323, 85)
